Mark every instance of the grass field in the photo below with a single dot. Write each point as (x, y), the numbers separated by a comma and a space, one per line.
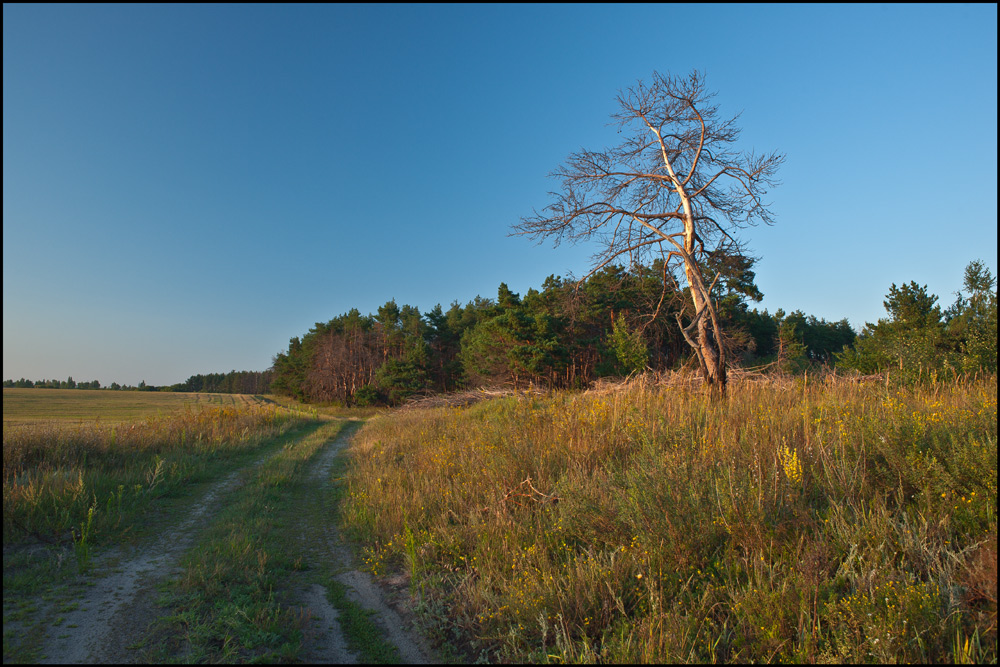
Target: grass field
(77, 406)
(791, 521)
(91, 462)
(88, 471)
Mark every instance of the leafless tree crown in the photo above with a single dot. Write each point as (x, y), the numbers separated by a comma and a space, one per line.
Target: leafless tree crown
(630, 198)
(675, 185)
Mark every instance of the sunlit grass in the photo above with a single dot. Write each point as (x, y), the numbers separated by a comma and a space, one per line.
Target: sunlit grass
(790, 521)
(81, 407)
(228, 605)
(55, 478)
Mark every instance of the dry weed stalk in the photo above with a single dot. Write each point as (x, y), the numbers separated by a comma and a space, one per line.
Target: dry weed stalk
(532, 495)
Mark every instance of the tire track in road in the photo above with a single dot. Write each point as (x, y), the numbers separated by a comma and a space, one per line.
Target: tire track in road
(324, 643)
(361, 588)
(116, 614)
(116, 611)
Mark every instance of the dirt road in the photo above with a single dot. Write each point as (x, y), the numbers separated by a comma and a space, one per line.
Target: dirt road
(117, 610)
(117, 617)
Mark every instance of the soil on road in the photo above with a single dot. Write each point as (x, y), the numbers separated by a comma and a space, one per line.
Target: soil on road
(116, 618)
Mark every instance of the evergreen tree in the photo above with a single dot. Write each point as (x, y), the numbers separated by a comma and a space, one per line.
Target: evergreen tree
(629, 347)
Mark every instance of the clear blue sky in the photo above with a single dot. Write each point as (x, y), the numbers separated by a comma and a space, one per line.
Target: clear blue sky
(187, 187)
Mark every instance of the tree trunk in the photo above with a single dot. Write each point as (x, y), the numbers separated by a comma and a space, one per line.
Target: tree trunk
(708, 346)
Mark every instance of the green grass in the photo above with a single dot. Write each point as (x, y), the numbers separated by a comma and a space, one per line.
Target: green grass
(71, 493)
(334, 410)
(226, 605)
(791, 521)
(103, 478)
(362, 634)
(77, 481)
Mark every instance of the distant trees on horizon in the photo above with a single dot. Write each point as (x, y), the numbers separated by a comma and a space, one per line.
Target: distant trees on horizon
(233, 382)
(68, 383)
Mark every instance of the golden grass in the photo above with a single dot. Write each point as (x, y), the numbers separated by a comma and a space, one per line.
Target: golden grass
(57, 474)
(74, 406)
(794, 520)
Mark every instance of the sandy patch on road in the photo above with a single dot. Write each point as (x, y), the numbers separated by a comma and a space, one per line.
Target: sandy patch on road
(324, 643)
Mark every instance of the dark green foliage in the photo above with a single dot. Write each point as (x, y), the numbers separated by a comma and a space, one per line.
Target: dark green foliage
(973, 321)
(398, 379)
(560, 336)
(514, 345)
(233, 382)
(290, 369)
(918, 338)
(819, 339)
(762, 331)
(792, 352)
(629, 347)
(736, 279)
(52, 384)
(615, 322)
(367, 396)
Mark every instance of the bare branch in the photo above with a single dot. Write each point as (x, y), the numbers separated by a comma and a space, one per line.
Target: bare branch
(674, 181)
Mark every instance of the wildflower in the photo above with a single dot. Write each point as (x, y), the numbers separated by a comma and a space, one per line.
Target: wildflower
(790, 463)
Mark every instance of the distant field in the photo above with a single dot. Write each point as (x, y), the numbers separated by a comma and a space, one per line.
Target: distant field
(74, 406)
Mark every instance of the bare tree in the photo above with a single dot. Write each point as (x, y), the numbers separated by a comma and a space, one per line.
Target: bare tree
(673, 186)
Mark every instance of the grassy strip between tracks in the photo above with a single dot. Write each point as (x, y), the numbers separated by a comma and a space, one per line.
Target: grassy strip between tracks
(362, 635)
(231, 602)
(225, 606)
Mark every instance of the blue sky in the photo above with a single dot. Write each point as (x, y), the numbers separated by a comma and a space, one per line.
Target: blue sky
(187, 187)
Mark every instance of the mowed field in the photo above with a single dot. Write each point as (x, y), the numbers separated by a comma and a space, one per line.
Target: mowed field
(69, 407)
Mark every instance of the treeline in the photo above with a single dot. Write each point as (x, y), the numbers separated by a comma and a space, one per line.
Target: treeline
(565, 335)
(68, 383)
(621, 321)
(615, 322)
(233, 382)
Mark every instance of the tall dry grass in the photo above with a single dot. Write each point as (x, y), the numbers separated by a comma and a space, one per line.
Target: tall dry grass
(790, 521)
(56, 479)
